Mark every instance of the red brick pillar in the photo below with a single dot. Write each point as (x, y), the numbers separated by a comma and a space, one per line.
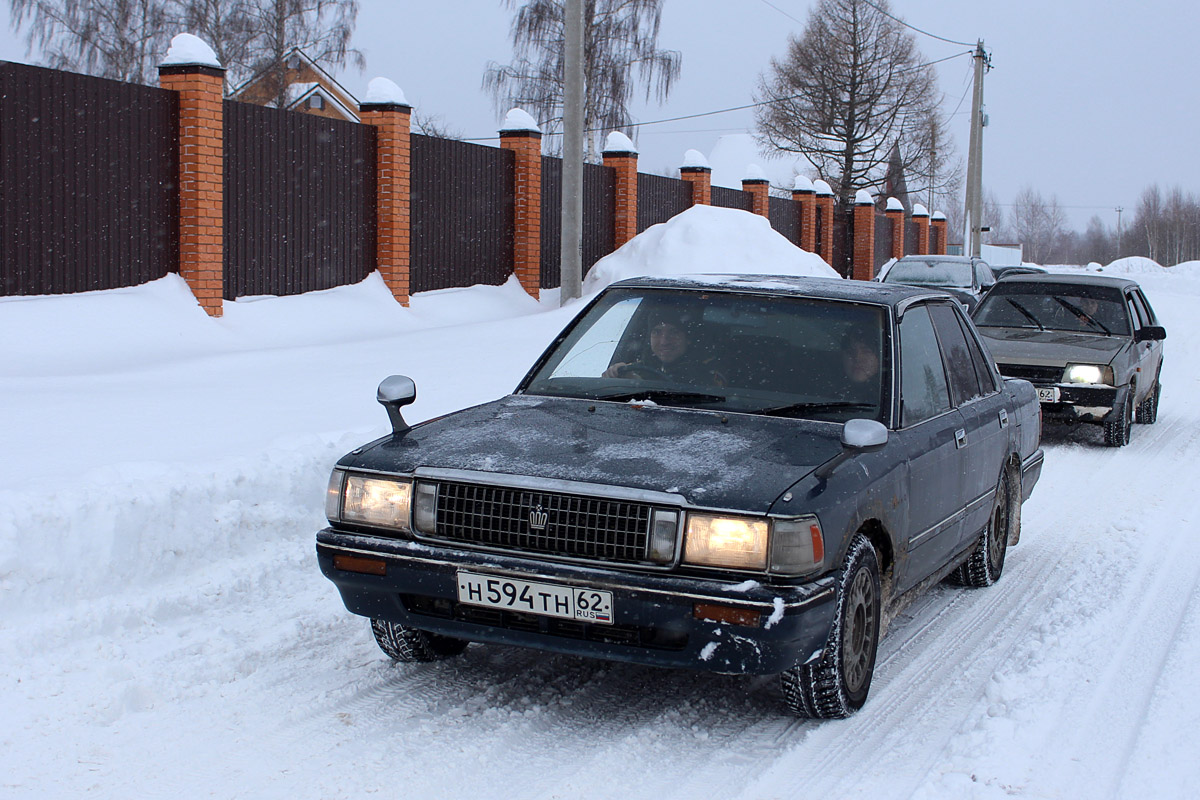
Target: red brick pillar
(619, 153)
(862, 267)
(895, 214)
(698, 173)
(521, 135)
(805, 198)
(758, 187)
(938, 222)
(921, 218)
(201, 177)
(825, 212)
(393, 189)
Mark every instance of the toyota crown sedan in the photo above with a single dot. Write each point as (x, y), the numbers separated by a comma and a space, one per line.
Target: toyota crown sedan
(739, 474)
(1090, 344)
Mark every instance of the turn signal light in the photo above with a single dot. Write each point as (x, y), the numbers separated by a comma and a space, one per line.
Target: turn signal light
(365, 566)
(734, 616)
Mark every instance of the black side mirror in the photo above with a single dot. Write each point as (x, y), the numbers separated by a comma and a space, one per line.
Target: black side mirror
(1150, 333)
(394, 393)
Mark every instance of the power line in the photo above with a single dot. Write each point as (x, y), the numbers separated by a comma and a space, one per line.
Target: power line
(915, 28)
(781, 11)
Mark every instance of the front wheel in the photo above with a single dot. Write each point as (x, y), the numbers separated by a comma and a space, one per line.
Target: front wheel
(1116, 429)
(836, 684)
(402, 643)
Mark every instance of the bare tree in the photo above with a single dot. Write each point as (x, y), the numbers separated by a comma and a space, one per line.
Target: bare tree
(620, 52)
(852, 86)
(1039, 224)
(225, 26)
(119, 39)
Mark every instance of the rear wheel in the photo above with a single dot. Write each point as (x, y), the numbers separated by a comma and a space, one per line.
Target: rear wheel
(836, 684)
(402, 643)
(1116, 429)
(986, 562)
(1147, 410)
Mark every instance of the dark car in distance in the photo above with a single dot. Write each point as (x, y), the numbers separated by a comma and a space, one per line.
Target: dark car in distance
(1091, 344)
(966, 278)
(739, 474)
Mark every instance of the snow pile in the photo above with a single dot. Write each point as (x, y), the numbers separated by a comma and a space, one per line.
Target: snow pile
(518, 119)
(382, 90)
(188, 49)
(1133, 266)
(707, 240)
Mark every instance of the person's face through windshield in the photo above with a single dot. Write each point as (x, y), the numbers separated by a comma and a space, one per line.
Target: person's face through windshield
(860, 362)
(668, 341)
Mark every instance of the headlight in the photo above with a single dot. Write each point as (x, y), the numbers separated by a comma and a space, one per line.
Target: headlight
(368, 500)
(726, 541)
(1088, 373)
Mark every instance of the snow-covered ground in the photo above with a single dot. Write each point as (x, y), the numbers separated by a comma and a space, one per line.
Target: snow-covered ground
(164, 630)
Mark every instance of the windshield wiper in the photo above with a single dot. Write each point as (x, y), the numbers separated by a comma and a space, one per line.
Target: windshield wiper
(1025, 313)
(800, 409)
(1083, 315)
(664, 396)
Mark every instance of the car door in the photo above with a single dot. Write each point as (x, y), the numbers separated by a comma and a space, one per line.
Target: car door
(1149, 353)
(975, 392)
(932, 431)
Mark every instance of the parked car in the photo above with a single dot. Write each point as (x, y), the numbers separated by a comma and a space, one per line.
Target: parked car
(733, 474)
(1023, 269)
(963, 277)
(1090, 344)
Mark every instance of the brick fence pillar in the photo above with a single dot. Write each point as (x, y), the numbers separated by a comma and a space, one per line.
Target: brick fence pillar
(759, 190)
(523, 137)
(201, 177)
(620, 154)
(696, 171)
(938, 223)
(895, 215)
(391, 118)
(920, 216)
(825, 213)
(862, 267)
(805, 199)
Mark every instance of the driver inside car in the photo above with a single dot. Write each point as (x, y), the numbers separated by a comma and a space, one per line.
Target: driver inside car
(671, 353)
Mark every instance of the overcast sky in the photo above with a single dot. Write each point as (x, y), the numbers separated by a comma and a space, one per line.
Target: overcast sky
(1090, 100)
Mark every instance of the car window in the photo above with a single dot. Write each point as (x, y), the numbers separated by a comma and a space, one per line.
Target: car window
(923, 390)
(1139, 318)
(984, 369)
(983, 274)
(1142, 303)
(964, 384)
(930, 272)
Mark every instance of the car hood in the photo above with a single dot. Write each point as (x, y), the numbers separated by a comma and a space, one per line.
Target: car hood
(1050, 348)
(712, 459)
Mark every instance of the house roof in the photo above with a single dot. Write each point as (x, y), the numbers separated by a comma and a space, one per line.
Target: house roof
(329, 83)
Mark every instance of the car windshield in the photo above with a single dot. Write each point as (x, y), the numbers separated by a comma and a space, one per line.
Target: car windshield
(748, 353)
(1054, 307)
(931, 272)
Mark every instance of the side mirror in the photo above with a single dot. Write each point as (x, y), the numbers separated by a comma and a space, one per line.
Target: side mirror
(395, 392)
(866, 435)
(1150, 333)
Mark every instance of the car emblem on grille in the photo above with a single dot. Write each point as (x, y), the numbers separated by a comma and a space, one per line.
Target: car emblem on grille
(538, 519)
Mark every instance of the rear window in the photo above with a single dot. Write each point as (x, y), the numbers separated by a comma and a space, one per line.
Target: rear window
(931, 272)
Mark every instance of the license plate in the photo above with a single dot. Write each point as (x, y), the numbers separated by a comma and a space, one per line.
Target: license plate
(1048, 395)
(544, 599)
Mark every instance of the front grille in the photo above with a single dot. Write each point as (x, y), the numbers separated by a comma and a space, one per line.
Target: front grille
(1031, 373)
(543, 522)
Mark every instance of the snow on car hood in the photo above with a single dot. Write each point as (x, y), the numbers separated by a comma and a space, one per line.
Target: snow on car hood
(1050, 348)
(713, 459)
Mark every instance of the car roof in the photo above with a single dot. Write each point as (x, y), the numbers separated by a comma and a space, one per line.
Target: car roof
(931, 257)
(791, 285)
(1068, 278)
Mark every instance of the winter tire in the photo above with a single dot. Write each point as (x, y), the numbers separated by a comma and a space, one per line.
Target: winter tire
(986, 562)
(836, 684)
(1147, 410)
(406, 644)
(1116, 431)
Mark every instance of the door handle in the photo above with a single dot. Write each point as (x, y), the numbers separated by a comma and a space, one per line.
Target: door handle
(960, 438)
(1003, 418)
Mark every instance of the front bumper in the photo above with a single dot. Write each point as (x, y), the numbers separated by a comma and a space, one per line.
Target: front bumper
(655, 619)
(1077, 403)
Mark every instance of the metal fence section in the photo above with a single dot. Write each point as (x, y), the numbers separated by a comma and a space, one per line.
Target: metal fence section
(724, 197)
(88, 173)
(299, 201)
(785, 217)
(660, 198)
(599, 204)
(462, 214)
(912, 232)
(883, 239)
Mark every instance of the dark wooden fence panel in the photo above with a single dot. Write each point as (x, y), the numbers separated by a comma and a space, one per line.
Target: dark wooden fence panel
(883, 239)
(724, 197)
(462, 214)
(911, 231)
(599, 204)
(660, 198)
(88, 169)
(785, 217)
(299, 201)
(843, 245)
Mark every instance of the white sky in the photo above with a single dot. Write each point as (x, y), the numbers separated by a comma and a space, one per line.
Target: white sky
(1091, 100)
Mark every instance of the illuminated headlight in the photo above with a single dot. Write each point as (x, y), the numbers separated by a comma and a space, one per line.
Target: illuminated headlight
(797, 546)
(369, 500)
(1088, 373)
(726, 541)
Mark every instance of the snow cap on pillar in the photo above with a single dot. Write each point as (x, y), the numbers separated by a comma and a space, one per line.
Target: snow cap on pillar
(383, 92)
(802, 183)
(822, 188)
(188, 50)
(863, 198)
(617, 142)
(938, 215)
(892, 204)
(518, 120)
(694, 159)
(920, 210)
(754, 173)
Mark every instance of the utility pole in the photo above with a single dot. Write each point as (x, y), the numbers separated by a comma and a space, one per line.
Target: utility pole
(572, 165)
(1119, 209)
(972, 236)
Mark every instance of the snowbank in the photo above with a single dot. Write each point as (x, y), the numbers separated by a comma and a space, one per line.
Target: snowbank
(707, 240)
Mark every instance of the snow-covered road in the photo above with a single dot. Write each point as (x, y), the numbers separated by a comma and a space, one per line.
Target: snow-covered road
(164, 630)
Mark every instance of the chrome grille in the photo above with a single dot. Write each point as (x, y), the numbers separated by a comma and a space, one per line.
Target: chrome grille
(543, 522)
(1031, 373)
